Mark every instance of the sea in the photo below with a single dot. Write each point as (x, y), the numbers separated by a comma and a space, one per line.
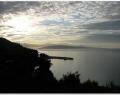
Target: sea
(101, 65)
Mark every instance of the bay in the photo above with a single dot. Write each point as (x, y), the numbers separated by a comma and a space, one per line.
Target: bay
(95, 64)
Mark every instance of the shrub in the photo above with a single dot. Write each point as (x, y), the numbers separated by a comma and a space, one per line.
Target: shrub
(70, 79)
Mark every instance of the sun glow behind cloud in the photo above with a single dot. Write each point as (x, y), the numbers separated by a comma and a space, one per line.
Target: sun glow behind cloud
(19, 23)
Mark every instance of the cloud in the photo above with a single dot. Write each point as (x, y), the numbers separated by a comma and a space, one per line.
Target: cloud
(7, 26)
(10, 7)
(108, 25)
(104, 38)
(54, 22)
(9, 35)
(113, 17)
(61, 21)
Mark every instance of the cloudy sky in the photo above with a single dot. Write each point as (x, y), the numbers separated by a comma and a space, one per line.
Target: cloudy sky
(91, 23)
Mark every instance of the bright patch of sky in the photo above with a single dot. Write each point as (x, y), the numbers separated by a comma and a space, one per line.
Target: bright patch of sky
(57, 22)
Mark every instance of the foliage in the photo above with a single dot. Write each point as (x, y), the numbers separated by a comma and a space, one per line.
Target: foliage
(70, 79)
(90, 83)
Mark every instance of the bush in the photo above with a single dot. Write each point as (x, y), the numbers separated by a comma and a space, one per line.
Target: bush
(70, 79)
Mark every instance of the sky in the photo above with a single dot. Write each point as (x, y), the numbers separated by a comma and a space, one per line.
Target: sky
(90, 23)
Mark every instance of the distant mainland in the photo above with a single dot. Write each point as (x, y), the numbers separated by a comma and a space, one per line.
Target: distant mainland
(75, 47)
(62, 47)
(48, 46)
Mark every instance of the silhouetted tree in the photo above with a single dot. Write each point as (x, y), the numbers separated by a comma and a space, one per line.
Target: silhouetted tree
(70, 79)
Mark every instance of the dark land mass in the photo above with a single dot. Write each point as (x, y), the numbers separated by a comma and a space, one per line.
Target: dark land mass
(18, 74)
(54, 57)
(62, 47)
(52, 47)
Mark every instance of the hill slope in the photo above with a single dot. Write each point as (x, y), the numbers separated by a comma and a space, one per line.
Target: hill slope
(15, 51)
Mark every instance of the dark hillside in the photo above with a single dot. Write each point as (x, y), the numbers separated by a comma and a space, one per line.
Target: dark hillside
(16, 61)
(14, 52)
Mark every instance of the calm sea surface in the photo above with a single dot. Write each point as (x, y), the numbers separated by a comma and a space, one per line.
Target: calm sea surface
(100, 65)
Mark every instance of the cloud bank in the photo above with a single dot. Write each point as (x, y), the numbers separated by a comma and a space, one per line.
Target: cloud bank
(72, 22)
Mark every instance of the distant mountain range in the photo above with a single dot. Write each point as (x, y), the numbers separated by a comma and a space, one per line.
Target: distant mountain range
(75, 47)
(11, 46)
(62, 47)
